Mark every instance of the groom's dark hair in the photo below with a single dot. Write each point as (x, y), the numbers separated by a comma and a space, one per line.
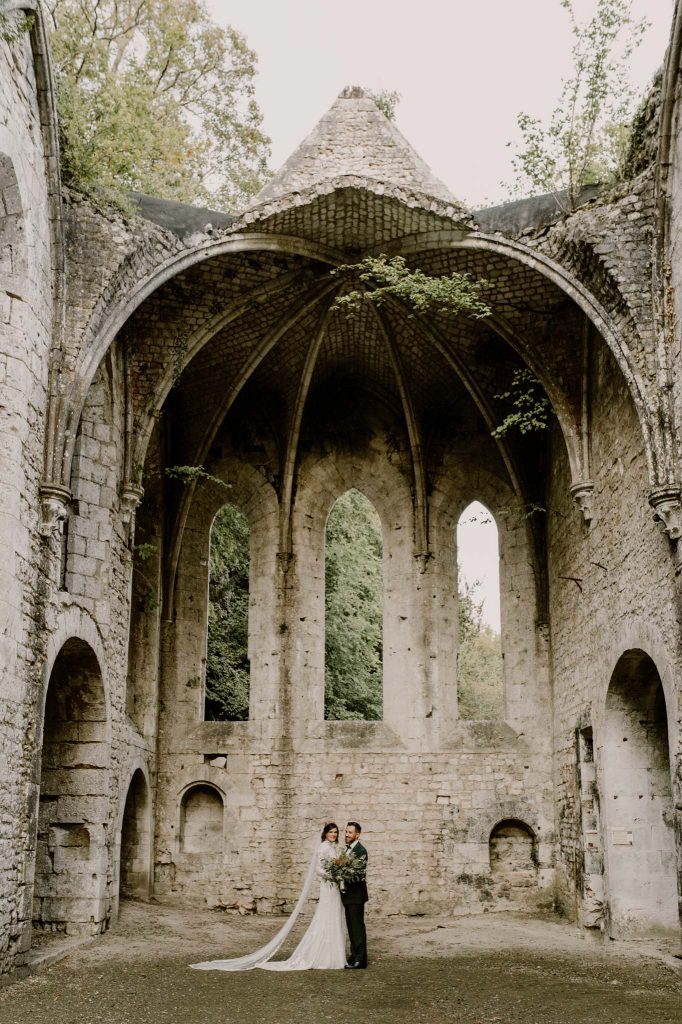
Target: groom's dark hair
(354, 824)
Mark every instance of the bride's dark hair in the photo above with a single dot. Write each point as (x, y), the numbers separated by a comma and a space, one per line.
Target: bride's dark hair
(327, 828)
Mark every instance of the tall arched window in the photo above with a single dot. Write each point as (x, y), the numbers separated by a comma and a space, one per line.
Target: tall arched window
(354, 593)
(227, 648)
(480, 689)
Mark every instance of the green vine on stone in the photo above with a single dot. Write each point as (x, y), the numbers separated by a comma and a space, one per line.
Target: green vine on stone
(193, 474)
(145, 551)
(530, 406)
(382, 278)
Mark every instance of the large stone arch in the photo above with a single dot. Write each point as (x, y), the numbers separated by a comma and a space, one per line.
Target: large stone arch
(640, 634)
(107, 321)
(110, 317)
(72, 621)
(655, 445)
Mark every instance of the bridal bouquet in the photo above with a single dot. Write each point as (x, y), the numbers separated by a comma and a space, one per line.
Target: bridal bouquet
(343, 869)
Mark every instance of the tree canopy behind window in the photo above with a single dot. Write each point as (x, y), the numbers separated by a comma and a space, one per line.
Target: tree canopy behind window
(227, 659)
(353, 610)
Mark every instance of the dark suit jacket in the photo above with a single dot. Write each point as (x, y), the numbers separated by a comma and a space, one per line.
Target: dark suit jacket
(356, 892)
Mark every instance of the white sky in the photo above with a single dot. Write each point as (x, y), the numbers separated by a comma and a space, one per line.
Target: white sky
(464, 68)
(478, 559)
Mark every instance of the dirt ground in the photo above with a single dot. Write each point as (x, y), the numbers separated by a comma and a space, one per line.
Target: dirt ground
(500, 968)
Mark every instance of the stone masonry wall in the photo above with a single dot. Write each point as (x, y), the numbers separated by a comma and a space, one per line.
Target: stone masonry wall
(97, 582)
(428, 788)
(25, 331)
(612, 588)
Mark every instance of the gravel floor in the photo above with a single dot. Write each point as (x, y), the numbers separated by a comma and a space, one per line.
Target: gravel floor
(496, 968)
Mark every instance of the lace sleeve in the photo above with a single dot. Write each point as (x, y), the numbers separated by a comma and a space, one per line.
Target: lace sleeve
(322, 853)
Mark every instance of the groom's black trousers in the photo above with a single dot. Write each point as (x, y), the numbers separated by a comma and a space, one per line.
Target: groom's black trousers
(355, 922)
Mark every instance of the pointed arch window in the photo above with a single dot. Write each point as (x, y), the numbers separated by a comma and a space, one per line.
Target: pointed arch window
(226, 694)
(480, 687)
(354, 597)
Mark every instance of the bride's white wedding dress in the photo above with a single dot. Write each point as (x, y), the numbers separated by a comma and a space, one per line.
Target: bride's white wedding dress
(323, 947)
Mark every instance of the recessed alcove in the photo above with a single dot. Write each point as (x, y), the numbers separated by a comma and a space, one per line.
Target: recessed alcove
(71, 887)
(637, 802)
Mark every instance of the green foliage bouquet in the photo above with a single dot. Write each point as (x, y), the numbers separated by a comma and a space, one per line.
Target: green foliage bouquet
(343, 869)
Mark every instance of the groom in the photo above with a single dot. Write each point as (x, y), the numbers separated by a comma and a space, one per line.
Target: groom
(354, 898)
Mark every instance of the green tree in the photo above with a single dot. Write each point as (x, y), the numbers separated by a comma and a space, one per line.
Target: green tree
(382, 278)
(154, 97)
(480, 691)
(353, 610)
(227, 659)
(586, 140)
(530, 408)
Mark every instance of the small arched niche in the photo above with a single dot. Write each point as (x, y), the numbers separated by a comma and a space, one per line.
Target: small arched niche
(638, 809)
(513, 854)
(70, 893)
(201, 821)
(480, 681)
(354, 596)
(136, 839)
(227, 689)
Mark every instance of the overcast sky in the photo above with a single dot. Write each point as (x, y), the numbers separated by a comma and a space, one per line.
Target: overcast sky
(464, 69)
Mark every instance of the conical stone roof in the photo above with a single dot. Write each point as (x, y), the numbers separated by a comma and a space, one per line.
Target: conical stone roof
(355, 138)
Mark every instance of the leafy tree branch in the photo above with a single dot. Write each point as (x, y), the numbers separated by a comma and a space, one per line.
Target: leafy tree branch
(382, 278)
(155, 97)
(530, 407)
(586, 139)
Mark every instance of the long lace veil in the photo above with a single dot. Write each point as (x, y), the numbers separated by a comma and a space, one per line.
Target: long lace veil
(265, 953)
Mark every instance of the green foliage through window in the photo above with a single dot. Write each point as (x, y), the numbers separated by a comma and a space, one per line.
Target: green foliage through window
(480, 688)
(227, 659)
(480, 693)
(353, 610)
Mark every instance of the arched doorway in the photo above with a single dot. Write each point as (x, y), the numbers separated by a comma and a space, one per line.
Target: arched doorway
(136, 840)
(71, 893)
(637, 802)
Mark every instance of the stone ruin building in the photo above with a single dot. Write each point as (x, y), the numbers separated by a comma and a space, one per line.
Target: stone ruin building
(180, 337)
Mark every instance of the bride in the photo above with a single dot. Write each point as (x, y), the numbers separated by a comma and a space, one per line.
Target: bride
(323, 946)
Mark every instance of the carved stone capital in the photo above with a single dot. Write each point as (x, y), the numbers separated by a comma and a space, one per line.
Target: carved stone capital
(583, 495)
(667, 507)
(54, 508)
(131, 496)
